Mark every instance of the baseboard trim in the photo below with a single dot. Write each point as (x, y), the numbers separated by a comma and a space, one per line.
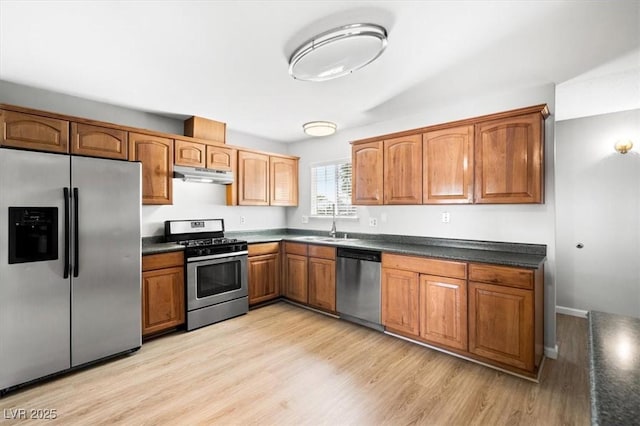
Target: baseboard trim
(570, 311)
(551, 352)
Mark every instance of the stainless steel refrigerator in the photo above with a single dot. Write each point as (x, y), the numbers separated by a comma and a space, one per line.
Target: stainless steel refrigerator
(70, 259)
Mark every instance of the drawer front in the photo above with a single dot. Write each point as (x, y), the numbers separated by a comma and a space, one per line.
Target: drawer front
(425, 265)
(162, 260)
(263, 248)
(323, 252)
(296, 248)
(501, 275)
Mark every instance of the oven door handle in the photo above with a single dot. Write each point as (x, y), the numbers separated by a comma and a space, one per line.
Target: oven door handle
(217, 256)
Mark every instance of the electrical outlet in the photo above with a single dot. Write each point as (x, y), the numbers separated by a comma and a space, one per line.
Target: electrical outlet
(446, 218)
(243, 220)
(373, 222)
(305, 219)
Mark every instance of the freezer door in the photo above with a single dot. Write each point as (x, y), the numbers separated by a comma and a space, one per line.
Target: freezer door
(106, 273)
(34, 296)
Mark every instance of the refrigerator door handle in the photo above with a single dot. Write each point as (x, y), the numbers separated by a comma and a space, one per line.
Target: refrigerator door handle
(76, 235)
(67, 207)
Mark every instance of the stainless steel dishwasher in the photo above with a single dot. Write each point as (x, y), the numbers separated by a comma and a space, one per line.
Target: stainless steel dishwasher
(358, 286)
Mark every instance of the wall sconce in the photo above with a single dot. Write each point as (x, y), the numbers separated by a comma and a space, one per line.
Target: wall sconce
(623, 146)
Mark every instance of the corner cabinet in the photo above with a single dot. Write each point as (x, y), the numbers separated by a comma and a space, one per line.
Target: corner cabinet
(310, 275)
(28, 131)
(509, 160)
(367, 170)
(265, 180)
(162, 292)
(263, 272)
(156, 155)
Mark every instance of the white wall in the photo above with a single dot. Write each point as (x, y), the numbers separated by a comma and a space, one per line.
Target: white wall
(509, 223)
(598, 205)
(199, 201)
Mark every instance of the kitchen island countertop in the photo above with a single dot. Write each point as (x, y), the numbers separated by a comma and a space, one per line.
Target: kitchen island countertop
(614, 368)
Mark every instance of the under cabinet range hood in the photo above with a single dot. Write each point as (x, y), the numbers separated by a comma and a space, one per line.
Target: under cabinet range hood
(202, 175)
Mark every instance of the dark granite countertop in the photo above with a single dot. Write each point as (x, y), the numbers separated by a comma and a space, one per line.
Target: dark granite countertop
(614, 355)
(509, 254)
(499, 253)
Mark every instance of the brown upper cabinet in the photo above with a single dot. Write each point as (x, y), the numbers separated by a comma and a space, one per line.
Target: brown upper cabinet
(283, 189)
(497, 158)
(203, 128)
(253, 179)
(98, 141)
(190, 154)
(221, 158)
(30, 131)
(509, 160)
(447, 163)
(156, 155)
(403, 170)
(367, 173)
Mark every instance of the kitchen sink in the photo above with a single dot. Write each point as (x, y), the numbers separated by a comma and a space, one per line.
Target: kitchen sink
(325, 239)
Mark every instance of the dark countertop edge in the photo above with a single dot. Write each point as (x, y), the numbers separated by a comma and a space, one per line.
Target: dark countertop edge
(592, 375)
(410, 246)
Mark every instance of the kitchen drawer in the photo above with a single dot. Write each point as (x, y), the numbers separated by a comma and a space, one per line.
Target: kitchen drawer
(425, 265)
(324, 252)
(162, 260)
(263, 248)
(501, 275)
(296, 248)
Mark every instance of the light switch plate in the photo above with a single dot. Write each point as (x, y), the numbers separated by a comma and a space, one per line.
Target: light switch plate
(305, 219)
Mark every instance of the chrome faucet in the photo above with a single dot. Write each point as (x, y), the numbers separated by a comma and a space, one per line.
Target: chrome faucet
(332, 233)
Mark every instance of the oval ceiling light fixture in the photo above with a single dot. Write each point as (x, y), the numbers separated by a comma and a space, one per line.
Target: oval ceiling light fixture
(319, 128)
(338, 52)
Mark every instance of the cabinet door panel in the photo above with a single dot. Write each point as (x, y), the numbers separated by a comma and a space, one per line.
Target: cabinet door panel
(253, 179)
(367, 170)
(221, 158)
(501, 324)
(162, 299)
(189, 154)
(322, 283)
(284, 181)
(400, 301)
(296, 288)
(403, 170)
(96, 141)
(263, 273)
(34, 132)
(156, 155)
(448, 166)
(443, 311)
(509, 160)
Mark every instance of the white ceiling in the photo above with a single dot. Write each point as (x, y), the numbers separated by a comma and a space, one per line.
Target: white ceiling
(227, 60)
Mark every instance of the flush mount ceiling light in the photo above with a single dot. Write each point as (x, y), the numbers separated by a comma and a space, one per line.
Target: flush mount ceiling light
(338, 52)
(319, 128)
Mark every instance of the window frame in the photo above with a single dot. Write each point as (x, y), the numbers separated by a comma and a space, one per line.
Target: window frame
(337, 163)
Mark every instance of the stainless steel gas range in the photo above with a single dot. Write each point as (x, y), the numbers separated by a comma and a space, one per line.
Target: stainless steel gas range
(216, 270)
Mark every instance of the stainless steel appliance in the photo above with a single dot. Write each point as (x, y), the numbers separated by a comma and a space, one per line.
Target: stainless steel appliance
(203, 175)
(216, 270)
(69, 262)
(358, 286)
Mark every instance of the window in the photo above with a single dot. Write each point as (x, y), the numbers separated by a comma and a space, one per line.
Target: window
(331, 185)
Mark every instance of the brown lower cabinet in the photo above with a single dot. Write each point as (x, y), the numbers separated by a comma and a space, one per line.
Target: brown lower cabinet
(310, 275)
(263, 272)
(162, 292)
(495, 314)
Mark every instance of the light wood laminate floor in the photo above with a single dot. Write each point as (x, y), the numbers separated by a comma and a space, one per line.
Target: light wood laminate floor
(282, 365)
